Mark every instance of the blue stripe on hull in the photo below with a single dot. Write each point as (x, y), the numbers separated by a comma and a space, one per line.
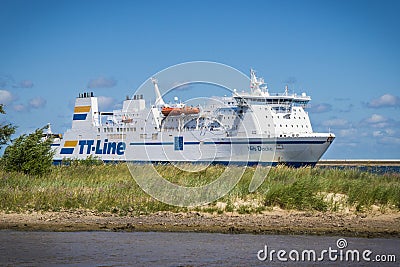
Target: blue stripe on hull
(232, 143)
(67, 150)
(234, 163)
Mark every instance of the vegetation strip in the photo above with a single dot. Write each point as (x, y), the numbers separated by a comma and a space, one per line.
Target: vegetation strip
(110, 188)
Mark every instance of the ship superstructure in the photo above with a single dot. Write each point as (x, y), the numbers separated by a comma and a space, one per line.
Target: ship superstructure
(253, 127)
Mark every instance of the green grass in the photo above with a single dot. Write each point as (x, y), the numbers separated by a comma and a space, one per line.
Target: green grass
(111, 188)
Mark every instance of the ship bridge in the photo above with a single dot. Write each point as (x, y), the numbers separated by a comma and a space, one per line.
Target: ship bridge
(278, 102)
(259, 95)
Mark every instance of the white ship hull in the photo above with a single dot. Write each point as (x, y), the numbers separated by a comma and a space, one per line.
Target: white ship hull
(202, 149)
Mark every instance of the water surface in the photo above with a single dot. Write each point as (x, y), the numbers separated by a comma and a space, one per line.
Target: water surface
(171, 249)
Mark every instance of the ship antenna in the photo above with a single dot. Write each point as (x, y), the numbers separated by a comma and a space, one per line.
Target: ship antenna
(253, 80)
(159, 99)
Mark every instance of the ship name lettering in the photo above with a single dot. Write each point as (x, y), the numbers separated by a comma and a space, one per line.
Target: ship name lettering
(101, 148)
(259, 148)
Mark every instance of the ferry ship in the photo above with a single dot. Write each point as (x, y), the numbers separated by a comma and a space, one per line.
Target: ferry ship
(248, 127)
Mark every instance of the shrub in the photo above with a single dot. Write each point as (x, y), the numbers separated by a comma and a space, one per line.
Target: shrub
(30, 154)
(6, 130)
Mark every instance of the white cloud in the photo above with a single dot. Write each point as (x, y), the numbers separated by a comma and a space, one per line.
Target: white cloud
(390, 131)
(19, 107)
(24, 84)
(377, 121)
(102, 82)
(320, 108)
(37, 102)
(386, 100)
(375, 118)
(336, 123)
(351, 132)
(377, 133)
(6, 97)
(386, 132)
(344, 143)
(105, 102)
(389, 140)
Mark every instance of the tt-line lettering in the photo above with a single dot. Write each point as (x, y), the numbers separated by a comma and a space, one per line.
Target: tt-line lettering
(106, 148)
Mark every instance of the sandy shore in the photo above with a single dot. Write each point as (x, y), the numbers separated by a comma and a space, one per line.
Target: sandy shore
(270, 222)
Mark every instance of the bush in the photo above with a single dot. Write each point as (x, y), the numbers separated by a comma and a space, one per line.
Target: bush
(6, 130)
(30, 154)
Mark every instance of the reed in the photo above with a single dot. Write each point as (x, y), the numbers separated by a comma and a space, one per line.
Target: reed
(111, 188)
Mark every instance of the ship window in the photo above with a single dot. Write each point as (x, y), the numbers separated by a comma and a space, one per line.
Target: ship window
(280, 125)
(98, 129)
(134, 129)
(104, 129)
(278, 117)
(286, 125)
(269, 125)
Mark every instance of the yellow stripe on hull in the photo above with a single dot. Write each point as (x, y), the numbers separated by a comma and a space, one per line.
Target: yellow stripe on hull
(70, 143)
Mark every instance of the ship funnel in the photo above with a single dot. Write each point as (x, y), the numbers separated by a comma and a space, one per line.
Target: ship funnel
(159, 99)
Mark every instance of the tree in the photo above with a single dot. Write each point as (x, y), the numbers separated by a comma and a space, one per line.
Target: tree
(5, 130)
(30, 154)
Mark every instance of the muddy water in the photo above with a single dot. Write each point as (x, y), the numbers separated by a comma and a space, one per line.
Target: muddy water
(183, 249)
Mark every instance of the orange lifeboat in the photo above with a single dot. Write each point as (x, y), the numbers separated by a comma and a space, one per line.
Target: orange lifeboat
(176, 111)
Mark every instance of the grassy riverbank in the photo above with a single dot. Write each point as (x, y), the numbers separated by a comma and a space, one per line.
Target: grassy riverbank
(111, 188)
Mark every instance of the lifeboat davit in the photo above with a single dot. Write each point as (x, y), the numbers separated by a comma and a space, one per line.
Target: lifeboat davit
(176, 111)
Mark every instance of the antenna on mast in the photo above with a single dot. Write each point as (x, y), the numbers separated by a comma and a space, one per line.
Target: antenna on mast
(253, 80)
(159, 99)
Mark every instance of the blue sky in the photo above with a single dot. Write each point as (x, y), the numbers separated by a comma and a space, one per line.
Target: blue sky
(345, 54)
